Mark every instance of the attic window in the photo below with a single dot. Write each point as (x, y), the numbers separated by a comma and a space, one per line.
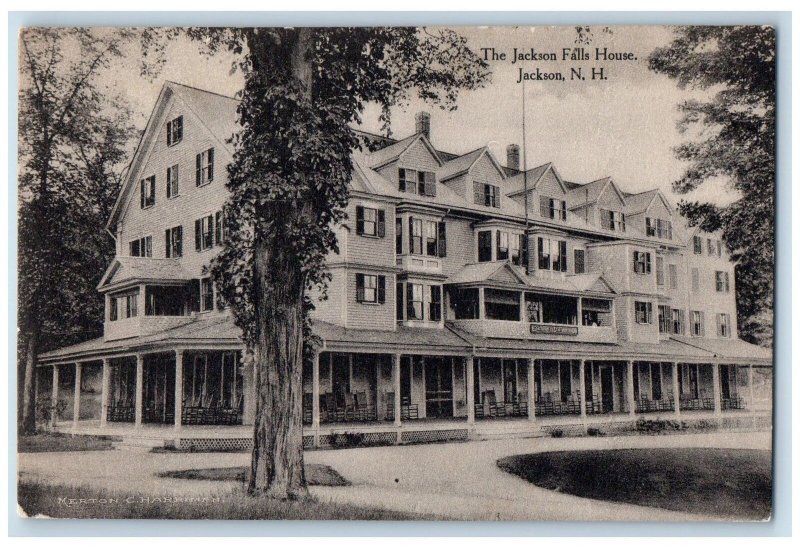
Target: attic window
(416, 182)
(485, 194)
(550, 208)
(175, 131)
(612, 220)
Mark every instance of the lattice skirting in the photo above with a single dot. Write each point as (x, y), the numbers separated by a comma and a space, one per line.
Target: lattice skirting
(215, 444)
(429, 436)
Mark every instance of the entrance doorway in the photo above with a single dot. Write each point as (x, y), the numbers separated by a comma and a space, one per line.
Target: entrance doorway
(438, 388)
(607, 388)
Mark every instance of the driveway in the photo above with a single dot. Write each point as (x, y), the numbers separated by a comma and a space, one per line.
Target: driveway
(451, 481)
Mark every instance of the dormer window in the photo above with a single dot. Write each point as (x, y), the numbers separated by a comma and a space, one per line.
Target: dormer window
(550, 208)
(612, 220)
(485, 194)
(175, 131)
(417, 182)
(659, 228)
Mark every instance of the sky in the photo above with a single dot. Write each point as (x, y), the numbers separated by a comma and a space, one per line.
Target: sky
(623, 127)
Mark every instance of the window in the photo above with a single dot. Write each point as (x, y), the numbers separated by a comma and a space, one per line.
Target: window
(407, 180)
(219, 227)
(719, 248)
(398, 303)
(580, 261)
(172, 181)
(695, 279)
(465, 303)
(434, 300)
(484, 246)
(417, 182)
(659, 271)
(677, 321)
(710, 246)
(431, 238)
(204, 170)
(698, 324)
(660, 228)
(426, 185)
(723, 282)
(174, 242)
(663, 318)
(552, 255)
(641, 262)
(370, 222)
(485, 194)
(673, 276)
(113, 313)
(612, 220)
(131, 305)
(643, 312)
(502, 245)
(204, 233)
(415, 229)
(414, 302)
(517, 243)
(698, 245)
(206, 295)
(723, 325)
(175, 131)
(142, 247)
(370, 288)
(550, 208)
(147, 189)
(163, 301)
(553, 309)
(123, 306)
(398, 236)
(501, 305)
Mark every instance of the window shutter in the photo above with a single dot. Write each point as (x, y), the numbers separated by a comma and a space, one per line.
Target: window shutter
(497, 196)
(544, 206)
(210, 164)
(562, 256)
(401, 179)
(497, 242)
(442, 239)
(477, 192)
(141, 189)
(719, 325)
(210, 221)
(197, 235)
(359, 220)
(411, 235)
(169, 133)
(178, 236)
(167, 240)
(381, 289)
(359, 288)
(218, 225)
(381, 223)
(169, 180)
(198, 170)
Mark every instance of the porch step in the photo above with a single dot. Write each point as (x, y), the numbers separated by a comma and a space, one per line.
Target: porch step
(502, 431)
(139, 443)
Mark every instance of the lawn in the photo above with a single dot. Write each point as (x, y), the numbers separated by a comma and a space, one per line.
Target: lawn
(316, 474)
(50, 442)
(726, 483)
(36, 499)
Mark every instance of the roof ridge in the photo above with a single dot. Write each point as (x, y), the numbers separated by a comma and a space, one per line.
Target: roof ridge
(203, 90)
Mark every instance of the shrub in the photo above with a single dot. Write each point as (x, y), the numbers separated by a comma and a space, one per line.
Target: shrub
(347, 439)
(657, 426)
(556, 433)
(592, 431)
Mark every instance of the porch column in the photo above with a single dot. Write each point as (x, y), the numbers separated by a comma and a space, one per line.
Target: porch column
(396, 385)
(470, 366)
(715, 381)
(139, 390)
(179, 387)
(631, 400)
(531, 389)
(676, 389)
(54, 397)
(315, 392)
(105, 394)
(582, 384)
(76, 400)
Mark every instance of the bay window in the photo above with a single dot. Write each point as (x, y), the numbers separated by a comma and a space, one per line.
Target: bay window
(484, 246)
(552, 254)
(501, 304)
(643, 312)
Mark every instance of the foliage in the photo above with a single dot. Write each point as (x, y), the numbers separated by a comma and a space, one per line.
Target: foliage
(731, 136)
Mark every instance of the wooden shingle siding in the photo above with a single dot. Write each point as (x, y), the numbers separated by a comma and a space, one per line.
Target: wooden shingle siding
(370, 249)
(380, 317)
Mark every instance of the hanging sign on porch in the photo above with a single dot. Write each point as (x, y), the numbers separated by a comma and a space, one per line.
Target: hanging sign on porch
(550, 329)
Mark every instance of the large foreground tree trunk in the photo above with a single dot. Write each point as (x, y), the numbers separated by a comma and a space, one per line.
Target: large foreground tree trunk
(27, 420)
(276, 468)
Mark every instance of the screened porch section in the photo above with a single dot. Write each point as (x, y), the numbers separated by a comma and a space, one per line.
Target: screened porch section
(501, 388)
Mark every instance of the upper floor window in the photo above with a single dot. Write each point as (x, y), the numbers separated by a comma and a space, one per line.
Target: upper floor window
(710, 247)
(641, 262)
(698, 245)
(370, 222)
(484, 246)
(398, 236)
(719, 248)
(723, 281)
(433, 297)
(204, 233)
(422, 302)
(612, 220)
(175, 131)
(660, 228)
(723, 325)
(204, 167)
(519, 255)
(486, 194)
(147, 189)
(173, 189)
(219, 227)
(141, 247)
(659, 271)
(552, 254)
(123, 306)
(643, 311)
(673, 276)
(698, 324)
(550, 208)
(417, 182)
(663, 318)
(370, 288)
(415, 302)
(502, 245)
(677, 321)
(206, 294)
(580, 261)
(501, 305)
(174, 242)
(415, 233)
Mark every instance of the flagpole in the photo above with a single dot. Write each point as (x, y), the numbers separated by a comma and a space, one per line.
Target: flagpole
(525, 183)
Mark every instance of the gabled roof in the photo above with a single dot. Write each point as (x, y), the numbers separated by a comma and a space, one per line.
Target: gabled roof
(639, 203)
(463, 164)
(389, 154)
(126, 269)
(516, 184)
(595, 283)
(498, 272)
(590, 193)
(504, 273)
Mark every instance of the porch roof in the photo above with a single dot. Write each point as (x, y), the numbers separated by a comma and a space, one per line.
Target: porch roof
(404, 338)
(125, 270)
(735, 349)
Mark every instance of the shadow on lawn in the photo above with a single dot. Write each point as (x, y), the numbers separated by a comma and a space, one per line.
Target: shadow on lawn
(722, 483)
(316, 474)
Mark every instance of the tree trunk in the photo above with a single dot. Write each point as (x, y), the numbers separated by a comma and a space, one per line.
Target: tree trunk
(276, 468)
(27, 422)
